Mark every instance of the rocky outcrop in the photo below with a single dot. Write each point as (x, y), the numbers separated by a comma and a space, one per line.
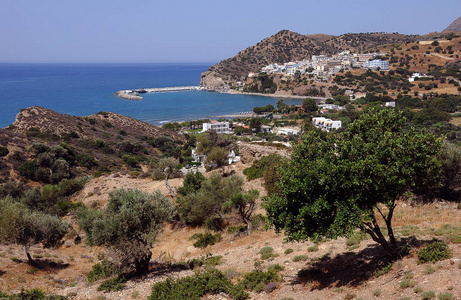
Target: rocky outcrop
(211, 81)
(250, 152)
(455, 26)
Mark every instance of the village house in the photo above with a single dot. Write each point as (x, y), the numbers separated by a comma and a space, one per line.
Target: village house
(326, 124)
(218, 127)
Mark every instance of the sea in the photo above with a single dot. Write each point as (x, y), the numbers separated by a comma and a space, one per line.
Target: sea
(86, 89)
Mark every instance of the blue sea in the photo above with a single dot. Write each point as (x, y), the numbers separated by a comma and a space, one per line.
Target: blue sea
(85, 89)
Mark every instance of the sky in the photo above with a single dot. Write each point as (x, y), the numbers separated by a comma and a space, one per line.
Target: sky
(153, 31)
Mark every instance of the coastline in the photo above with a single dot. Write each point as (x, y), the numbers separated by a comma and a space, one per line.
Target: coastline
(273, 95)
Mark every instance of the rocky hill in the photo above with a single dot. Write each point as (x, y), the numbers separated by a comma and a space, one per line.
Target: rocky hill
(455, 26)
(99, 136)
(287, 46)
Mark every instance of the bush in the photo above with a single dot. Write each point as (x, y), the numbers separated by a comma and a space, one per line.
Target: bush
(445, 296)
(434, 252)
(300, 258)
(103, 269)
(427, 295)
(251, 280)
(205, 239)
(113, 284)
(288, 251)
(207, 261)
(406, 283)
(3, 151)
(194, 287)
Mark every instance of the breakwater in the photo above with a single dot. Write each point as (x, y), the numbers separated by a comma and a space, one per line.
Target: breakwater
(134, 94)
(128, 95)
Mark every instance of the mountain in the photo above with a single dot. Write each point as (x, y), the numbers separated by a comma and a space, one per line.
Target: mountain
(455, 26)
(287, 46)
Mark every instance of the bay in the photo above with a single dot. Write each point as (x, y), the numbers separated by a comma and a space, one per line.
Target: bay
(85, 89)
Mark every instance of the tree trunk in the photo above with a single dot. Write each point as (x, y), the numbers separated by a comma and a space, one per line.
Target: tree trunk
(142, 264)
(375, 232)
(31, 261)
(170, 190)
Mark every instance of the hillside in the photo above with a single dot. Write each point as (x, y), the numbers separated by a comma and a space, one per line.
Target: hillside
(101, 136)
(287, 46)
(455, 26)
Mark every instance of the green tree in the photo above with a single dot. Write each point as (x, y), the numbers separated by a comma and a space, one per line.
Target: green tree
(333, 185)
(207, 203)
(450, 156)
(282, 107)
(21, 226)
(309, 105)
(245, 204)
(217, 158)
(192, 183)
(129, 225)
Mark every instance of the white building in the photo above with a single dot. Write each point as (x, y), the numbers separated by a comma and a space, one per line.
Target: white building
(287, 131)
(377, 63)
(326, 124)
(218, 127)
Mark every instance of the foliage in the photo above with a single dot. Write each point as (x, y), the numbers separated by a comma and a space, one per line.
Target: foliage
(207, 203)
(100, 270)
(3, 151)
(427, 295)
(333, 185)
(450, 157)
(309, 105)
(216, 158)
(32, 294)
(245, 204)
(205, 239)
(114, 284)
(207, 261)
(259, 166)
(191, 184)
(128, 225)
(194, 287)
(21, 226)
(257, 278)
(434, 252)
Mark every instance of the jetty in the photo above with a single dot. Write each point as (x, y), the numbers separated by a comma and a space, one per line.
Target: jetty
(134, 94)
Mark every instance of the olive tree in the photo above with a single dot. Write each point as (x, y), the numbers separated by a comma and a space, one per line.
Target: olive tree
(245, 204)
(167, 166)
(21, 226)
(335, 184)
(129, 225)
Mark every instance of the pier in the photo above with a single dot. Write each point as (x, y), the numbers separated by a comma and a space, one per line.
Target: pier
(134, 94)
(170, 89)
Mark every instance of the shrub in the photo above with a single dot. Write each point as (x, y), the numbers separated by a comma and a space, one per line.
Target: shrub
(275, 268)
(113, 284)
(251, 280)
(406, 283)
(103, 269)
(300, 258)
(427, 295)
(445, 296)
(434, 252)
(313, 248)
(288, 251)
(205, 239)
(3, 151)
(208, 261)
(194, 287)
(377, 293)
(418, 289)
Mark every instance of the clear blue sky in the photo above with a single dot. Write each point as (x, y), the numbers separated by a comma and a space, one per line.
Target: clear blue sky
(193, 31)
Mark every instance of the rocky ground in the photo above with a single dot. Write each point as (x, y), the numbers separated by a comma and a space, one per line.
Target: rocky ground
(346, 267)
